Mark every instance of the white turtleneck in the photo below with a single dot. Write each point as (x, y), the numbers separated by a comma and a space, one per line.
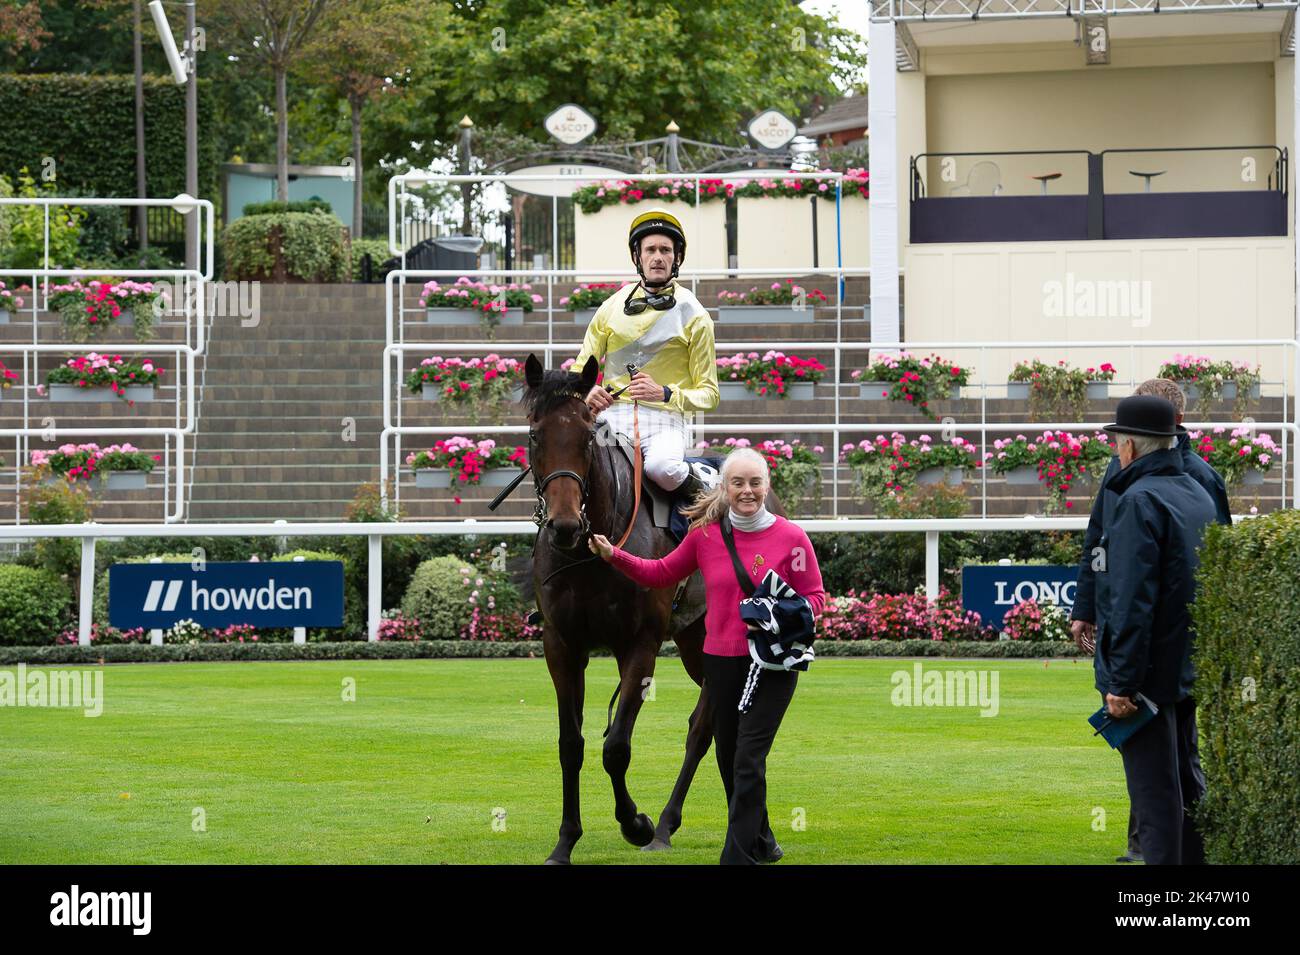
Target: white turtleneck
(760, 520)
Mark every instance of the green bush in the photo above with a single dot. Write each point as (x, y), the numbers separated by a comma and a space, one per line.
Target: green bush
(310, 246)
(86, 124)
(378, 251)
(34, 605)
(445, 590)
(25, 228)
(1247, 617)
(274, 206)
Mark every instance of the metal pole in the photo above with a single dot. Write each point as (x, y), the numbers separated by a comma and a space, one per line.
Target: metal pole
(141, 183)
(87, 590)
(374, 582)
(191, 141)
(931, 567)
(155, 635)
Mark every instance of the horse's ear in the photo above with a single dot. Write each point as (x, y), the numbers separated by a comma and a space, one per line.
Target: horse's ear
(589, 372)
(533, 371)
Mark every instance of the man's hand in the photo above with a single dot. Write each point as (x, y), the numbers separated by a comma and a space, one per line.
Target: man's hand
(598, 399)
(1085, 635)
(1120, 707)
(645, 388)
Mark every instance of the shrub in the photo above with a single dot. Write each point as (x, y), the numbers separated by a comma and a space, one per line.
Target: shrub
(378, 251)
(25, 227)
(34, 605)
(1247, 619)
(445, 592)
(275, 206)
(310, 246)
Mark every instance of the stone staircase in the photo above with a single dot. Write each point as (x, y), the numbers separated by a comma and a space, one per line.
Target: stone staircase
(273, 441)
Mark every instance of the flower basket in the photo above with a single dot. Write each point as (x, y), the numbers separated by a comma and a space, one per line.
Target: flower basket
(1239, 455)
(118, 467)
(95, 377)
(778, 304)
(1058, 391)
(474, 382)
(9, 301)
(1056, 459)
(468, 303)
(1204, 381)
(888, 468)
(910, 380)
(941, 475)
(794, 468)
(458, 461)
(90, 309)
(587, 297)
(771, 375)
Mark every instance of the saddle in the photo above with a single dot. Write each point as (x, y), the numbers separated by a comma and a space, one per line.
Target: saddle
(665, 506)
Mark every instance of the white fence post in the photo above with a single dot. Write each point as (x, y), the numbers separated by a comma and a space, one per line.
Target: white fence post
(155, 636)
(931, 566)
(374, 585)
(87, 590)
(299, 633)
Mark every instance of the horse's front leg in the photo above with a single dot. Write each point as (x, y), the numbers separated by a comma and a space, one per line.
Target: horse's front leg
(636, 669)
(567, 674)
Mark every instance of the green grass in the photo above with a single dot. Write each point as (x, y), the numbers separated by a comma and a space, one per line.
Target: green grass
(286, 771)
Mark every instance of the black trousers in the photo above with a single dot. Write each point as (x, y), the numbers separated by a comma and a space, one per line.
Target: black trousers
(1192, 781)
(1163, 773)
(741, 743)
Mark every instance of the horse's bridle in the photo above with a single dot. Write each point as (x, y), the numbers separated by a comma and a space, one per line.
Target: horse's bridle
(540, 517)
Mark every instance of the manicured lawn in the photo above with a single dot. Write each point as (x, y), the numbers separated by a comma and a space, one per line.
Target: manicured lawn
(287, 771)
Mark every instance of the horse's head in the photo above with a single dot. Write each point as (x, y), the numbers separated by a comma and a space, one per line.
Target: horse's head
(561, 447)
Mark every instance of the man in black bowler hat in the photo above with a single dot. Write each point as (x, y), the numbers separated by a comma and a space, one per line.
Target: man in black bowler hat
(1146, 565)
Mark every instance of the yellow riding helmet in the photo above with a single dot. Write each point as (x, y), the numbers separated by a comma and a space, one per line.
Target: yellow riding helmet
(654, 221)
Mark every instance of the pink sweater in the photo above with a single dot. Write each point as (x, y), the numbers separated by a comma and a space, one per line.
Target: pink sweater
(783, 547)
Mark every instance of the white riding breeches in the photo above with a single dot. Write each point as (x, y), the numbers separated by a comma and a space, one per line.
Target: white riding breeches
(663, 440)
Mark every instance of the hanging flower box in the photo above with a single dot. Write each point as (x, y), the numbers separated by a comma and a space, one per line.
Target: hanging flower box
(89, 309)
(1241, 456)
(471, 381)
(458, 461)
(746, 376)
(476, 303)
(119, 467)
(786, 303)
(1095, 390)
(906, 379)
(1204, 381)
(941, 475)
(9, 301)
(1056, 459)
(586, 298)
(95, 377)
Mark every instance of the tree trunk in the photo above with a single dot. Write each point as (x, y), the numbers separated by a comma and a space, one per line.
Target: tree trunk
(357, 182)
(281, 134)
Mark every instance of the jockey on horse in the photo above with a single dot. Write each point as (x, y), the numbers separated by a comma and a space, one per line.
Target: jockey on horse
(658, 326)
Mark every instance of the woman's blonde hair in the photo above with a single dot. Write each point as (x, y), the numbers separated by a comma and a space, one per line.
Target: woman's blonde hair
(709, 508)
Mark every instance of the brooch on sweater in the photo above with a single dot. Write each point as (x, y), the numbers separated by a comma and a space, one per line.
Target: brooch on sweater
(758, 562)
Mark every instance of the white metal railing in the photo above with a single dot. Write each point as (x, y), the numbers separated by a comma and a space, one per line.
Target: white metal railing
(89, 534)
(975, 10)
(1286, 426)
(191, 283)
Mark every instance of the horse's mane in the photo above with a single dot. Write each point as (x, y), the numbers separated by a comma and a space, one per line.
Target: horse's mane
(557, 386)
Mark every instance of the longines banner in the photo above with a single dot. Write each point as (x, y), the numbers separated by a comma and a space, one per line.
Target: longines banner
(993, 589)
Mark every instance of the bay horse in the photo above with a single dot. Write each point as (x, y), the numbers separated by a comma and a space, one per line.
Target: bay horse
(585, 484)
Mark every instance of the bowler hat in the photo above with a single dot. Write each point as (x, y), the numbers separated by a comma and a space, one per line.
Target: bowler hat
(1145, 414)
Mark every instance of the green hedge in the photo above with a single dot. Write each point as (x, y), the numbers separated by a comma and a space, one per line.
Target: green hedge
(1247, 616)
(379, 254)
(441, 649)
(34, 605)
(87, 125)
(275, 206)
(309, 246)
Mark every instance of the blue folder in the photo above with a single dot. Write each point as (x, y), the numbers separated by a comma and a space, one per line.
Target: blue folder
(1117, 731)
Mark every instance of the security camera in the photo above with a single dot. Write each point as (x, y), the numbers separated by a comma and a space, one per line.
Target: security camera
(179, 63)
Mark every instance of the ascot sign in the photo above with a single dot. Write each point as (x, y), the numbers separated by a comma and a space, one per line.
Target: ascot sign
(271, 594)
(570, 124)
(772, 129)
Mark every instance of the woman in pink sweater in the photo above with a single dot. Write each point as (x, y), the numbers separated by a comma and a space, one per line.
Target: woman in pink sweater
(764, 542)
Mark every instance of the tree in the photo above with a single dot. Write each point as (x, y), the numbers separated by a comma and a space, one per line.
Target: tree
(636, 64)
(275, 33)
(21, 27)
(355, 52)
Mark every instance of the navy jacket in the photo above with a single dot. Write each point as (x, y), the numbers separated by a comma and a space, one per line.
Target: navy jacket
(1085, 604)
(1150, 541)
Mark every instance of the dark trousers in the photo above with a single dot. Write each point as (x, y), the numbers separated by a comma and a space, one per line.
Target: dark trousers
(742, 742)
(1163, 773)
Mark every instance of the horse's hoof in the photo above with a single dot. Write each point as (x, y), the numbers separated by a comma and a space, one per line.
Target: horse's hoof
(556, 862)
(656, 845)
(640, 832)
